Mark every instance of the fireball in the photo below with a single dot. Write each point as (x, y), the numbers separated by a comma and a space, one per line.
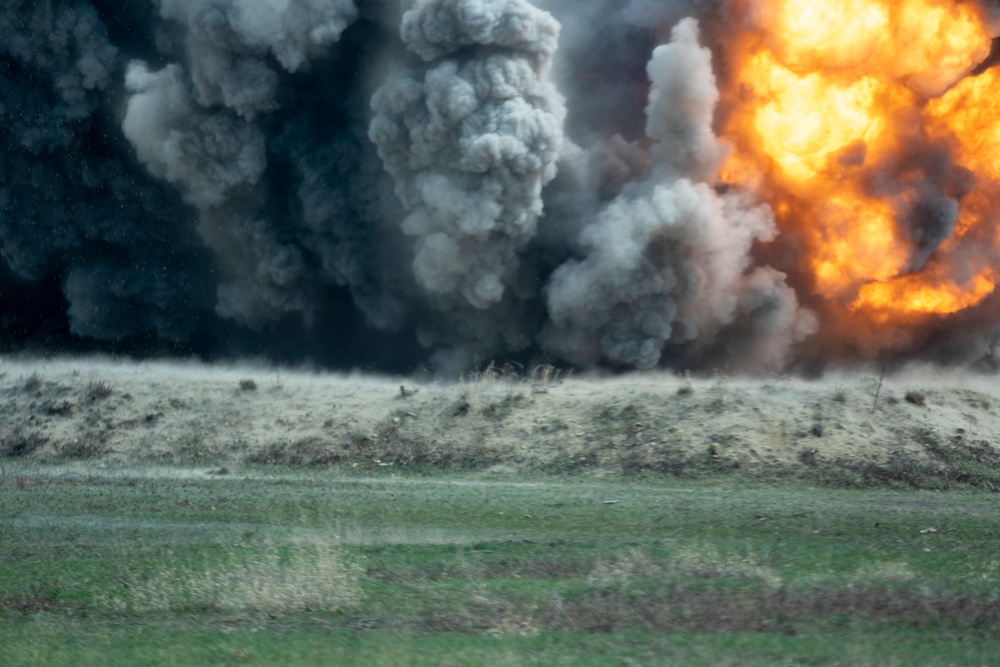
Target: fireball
(868, 127)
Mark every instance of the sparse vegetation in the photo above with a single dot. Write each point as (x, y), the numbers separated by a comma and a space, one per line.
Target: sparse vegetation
(20, 441)
(248, 384)
(915, 397)
(97, 390)
(543, 377)
(32, 384)
(85, 445)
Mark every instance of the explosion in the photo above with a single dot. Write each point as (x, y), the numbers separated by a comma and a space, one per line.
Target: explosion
(752, 184)
(868, 128)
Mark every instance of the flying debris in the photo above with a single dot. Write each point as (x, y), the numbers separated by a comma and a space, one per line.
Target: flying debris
(761, 184)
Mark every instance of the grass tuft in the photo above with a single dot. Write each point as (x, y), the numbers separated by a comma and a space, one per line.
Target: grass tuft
(20, 441)
(97, 390)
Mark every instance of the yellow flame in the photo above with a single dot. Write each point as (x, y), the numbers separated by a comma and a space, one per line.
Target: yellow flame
(825, 88)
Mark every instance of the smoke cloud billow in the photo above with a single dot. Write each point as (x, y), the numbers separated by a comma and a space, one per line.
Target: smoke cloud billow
(667, 261)
(471, 138)
(390, 183)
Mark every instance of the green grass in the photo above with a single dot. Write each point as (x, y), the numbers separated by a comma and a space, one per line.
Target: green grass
(284, 566)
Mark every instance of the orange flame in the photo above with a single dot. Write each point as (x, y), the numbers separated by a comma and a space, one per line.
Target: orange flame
(826, 95)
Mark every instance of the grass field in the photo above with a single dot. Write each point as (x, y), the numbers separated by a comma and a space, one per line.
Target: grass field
(271, 565)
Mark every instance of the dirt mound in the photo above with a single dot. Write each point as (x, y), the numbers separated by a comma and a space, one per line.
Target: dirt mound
(160, 413)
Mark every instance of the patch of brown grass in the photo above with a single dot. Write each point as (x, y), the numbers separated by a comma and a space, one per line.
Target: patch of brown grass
(309, 577)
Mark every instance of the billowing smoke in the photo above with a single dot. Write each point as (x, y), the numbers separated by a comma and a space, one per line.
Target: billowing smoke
(668, 259)
(391, 183)
(471, 137)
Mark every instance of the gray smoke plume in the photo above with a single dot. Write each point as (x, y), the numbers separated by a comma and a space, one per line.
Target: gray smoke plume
(227, 44)
(200, 128)
(667, 261)
(207, 155)
(392, 182)
(471, 139)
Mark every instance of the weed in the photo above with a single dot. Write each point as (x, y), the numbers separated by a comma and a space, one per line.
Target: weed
(21, 442)
(493, 374)
(32, 384)
(87, 445)
(97, 390)
(504, 407)
(809, 457)
(57, 409)
(543, 377)
(461, 407)
(878, 387)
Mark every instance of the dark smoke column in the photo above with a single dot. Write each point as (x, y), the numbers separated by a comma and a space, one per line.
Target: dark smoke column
(77, 213)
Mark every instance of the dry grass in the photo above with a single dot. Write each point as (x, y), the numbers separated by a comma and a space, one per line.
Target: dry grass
(700, 561)
(309, 577)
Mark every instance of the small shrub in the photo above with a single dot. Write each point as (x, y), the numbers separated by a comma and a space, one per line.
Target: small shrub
(21, 442)
(87, 446)
(461, 407)
(809, 457)
(246, 384)
(32, 384)
(915, 397)
(502, 409)
(97, 390)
